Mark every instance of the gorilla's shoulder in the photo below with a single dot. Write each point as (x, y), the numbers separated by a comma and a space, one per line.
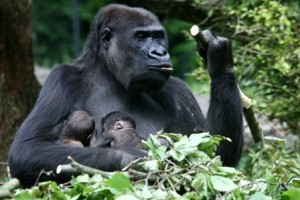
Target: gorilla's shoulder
(63, 73)
(64, 70)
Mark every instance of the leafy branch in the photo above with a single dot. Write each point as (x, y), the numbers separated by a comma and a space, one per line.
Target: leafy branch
(187, 169)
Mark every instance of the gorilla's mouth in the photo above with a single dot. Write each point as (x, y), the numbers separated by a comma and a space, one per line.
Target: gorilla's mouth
(162, 68)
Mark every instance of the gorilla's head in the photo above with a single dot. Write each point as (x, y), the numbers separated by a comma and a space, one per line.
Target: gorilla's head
(133, 44)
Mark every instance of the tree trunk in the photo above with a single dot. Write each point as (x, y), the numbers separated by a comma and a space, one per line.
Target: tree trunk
(18, 85)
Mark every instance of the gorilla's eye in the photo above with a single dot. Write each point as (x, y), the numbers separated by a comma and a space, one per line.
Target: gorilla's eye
(159, 35)
(141, 36)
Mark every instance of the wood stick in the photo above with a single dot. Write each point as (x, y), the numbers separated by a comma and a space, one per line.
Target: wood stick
(253, 124)
(5, 190)
(77, 168)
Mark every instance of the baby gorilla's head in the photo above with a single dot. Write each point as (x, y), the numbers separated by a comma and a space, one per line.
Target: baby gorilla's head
(118, 130)
(79, 125)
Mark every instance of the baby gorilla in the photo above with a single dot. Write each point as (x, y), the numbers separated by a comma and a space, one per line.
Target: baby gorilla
(118, 130)
(79, 125)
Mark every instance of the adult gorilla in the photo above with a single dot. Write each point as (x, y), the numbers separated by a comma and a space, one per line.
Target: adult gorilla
(125, 66)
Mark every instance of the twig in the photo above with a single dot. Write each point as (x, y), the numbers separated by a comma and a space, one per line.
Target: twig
(5, 194)
(77, 168)
(245, 185)
(48, 173)
(170, 182)
(67, 169)
(255, 130)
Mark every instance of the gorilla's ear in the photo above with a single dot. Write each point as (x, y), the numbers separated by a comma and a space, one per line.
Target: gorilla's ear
(106, 36)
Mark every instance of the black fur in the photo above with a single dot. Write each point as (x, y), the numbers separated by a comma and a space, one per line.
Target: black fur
(118, 130)
(77, 128)
(125, 66)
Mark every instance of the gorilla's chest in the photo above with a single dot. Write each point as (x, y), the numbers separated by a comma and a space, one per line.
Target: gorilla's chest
(149, 114)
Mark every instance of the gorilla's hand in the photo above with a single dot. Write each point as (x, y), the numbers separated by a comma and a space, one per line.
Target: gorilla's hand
(218, 56)
(130, 154)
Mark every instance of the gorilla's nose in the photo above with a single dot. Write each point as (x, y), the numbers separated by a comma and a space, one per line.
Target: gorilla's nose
(159, 53)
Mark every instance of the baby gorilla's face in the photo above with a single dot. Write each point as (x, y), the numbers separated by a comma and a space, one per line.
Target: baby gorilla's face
(119, 124)
(120, 133)
(123, 124)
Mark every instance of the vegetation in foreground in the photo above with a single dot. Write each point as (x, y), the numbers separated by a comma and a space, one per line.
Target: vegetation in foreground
(187, 169)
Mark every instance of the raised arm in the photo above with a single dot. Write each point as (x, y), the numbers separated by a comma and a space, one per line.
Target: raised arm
(224, 116)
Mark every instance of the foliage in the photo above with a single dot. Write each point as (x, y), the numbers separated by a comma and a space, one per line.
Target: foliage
(266, 48)
(187, 169)
(267, 53)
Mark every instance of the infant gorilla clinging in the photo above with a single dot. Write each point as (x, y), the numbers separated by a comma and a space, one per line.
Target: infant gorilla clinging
(79, 125)
(118, 130)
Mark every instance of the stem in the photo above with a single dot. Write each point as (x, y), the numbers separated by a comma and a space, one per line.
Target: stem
(77, 168)
(255, 130)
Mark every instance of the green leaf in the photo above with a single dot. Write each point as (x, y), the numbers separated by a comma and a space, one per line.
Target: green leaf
(170, 137)
(296, 182)
(118, 184)
(150, 165)
(186, 151)
(84, 178)
(126, 197)
(275, 141)
(177, 155)
(159, 194)
(144, 193)
(222, 184)
(292, 194)
(198, 157)
(57, 194)
(200, 183)
(97, 178)
(156, 149)
(229, 170)
(24, 195)
(292, 163)
(260, 196)
(182, 142)
(196, 139)
(75, 197)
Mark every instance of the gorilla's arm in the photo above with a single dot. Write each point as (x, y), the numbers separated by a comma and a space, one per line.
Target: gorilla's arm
(224, 116)
(34, 148)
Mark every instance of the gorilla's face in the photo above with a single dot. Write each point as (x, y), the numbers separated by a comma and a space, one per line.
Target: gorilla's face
(137, 53)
